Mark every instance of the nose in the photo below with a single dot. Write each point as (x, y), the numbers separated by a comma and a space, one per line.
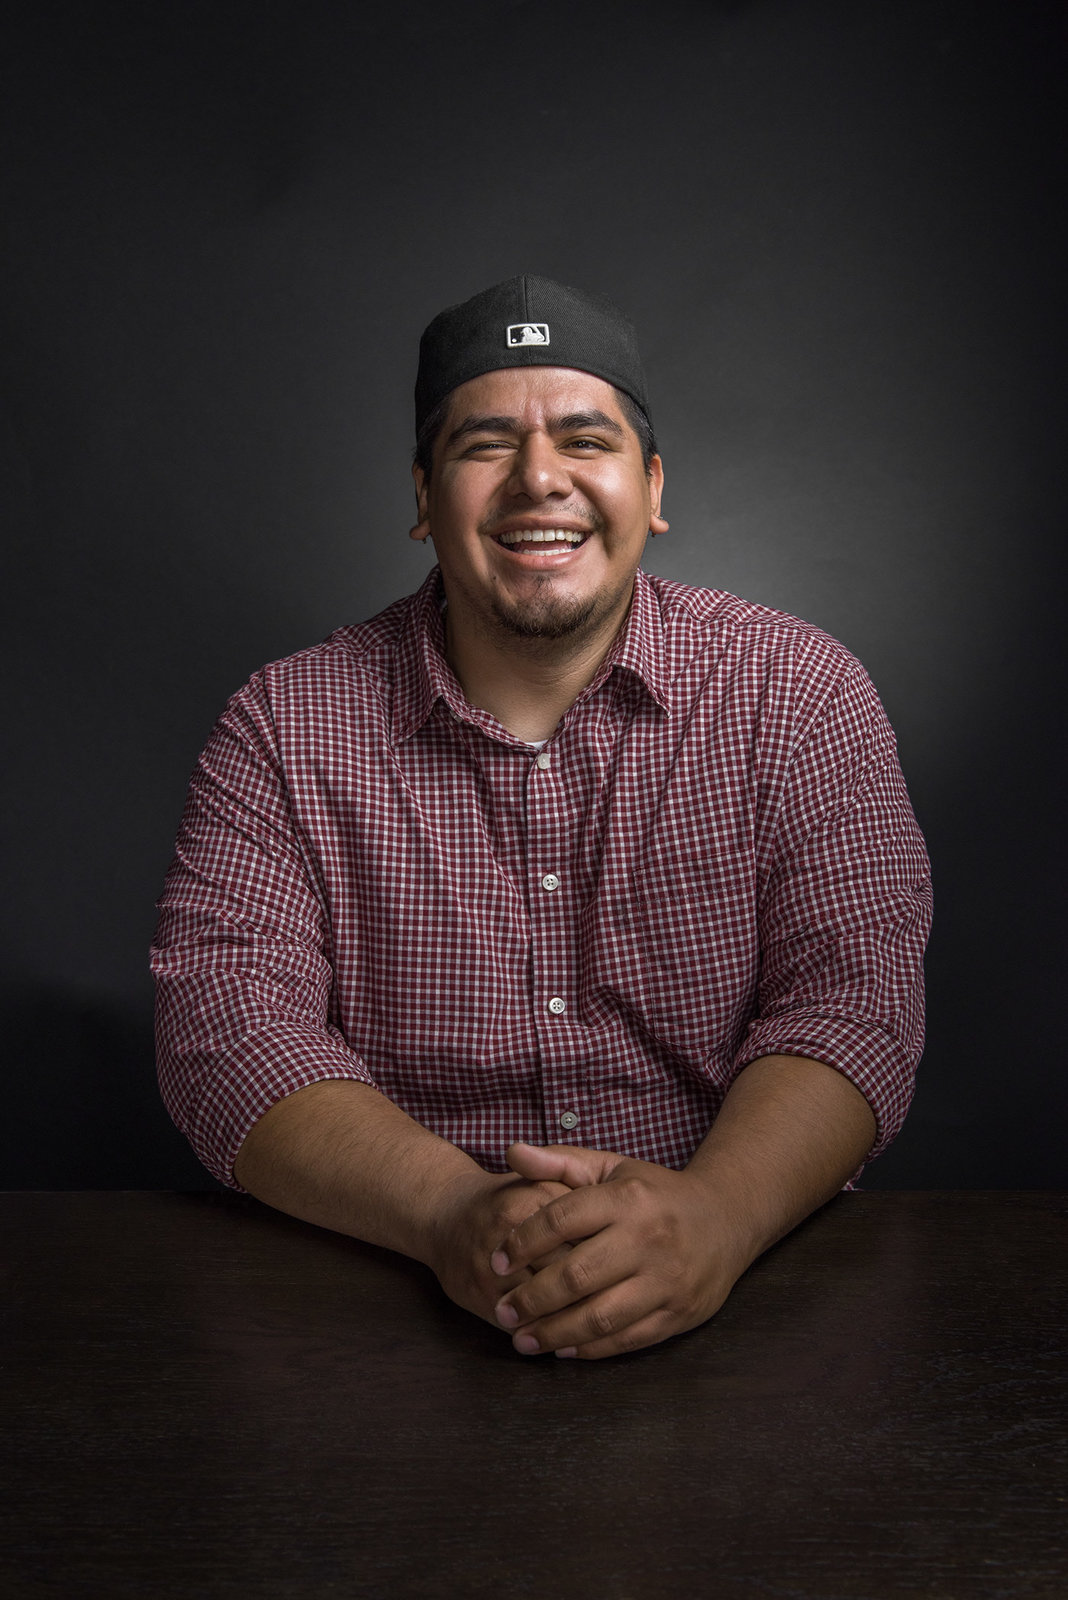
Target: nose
(538, 470)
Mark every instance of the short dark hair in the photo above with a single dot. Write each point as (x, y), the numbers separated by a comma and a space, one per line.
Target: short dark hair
(633, 413)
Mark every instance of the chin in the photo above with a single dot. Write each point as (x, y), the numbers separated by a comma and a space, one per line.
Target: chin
(549, 618)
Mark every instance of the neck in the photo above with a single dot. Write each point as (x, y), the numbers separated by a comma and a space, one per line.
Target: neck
(527, 684)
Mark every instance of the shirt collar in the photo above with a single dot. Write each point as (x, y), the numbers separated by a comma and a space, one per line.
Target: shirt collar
(424, 676)
(639, 646)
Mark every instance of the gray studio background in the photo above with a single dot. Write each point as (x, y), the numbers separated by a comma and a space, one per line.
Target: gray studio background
(837, 226)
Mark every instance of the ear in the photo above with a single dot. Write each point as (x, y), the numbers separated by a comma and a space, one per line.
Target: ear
(657, 523)
(421, 531)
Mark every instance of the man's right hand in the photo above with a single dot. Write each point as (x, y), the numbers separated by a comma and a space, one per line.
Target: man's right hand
(476, 1211)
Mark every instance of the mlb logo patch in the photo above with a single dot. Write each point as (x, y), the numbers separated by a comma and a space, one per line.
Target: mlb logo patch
(527, 333)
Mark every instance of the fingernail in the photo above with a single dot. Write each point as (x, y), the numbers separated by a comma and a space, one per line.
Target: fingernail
(506, 1315)
(526, 1344)
(500, 1263)
(568, 1354)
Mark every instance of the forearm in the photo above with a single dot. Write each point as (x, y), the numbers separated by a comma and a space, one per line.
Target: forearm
(789, 1134)
(340, 1154)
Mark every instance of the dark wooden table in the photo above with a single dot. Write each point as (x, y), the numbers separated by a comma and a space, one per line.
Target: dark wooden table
(202, 1398)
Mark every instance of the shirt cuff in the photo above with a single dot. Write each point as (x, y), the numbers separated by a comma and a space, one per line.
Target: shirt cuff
(239, 1086)
(873, 1061)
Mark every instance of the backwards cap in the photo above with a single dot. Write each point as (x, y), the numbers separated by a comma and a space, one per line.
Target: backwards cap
(526, 322)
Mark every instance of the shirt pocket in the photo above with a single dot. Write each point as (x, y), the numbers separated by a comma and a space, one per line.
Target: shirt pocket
(694, 931)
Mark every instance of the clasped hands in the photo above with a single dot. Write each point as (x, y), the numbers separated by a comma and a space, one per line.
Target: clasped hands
(594, 1253)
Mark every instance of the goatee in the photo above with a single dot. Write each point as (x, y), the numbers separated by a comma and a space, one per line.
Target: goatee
(546, 617)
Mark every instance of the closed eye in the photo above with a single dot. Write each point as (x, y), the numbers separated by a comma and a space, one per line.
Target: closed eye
(478, 446)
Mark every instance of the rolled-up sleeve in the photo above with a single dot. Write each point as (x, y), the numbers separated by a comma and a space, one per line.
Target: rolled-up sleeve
(845, 909)
(241, 953)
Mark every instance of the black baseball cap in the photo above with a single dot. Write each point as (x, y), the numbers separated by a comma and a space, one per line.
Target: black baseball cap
(527, 322)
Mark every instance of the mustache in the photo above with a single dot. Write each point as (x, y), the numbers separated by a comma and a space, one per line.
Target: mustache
(591, 522)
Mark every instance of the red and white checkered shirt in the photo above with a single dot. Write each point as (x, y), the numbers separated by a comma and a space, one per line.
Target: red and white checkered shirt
(712, 859)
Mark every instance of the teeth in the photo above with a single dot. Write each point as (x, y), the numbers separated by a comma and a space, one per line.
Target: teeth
(542, 536)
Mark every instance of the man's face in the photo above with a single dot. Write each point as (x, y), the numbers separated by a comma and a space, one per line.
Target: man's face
(538, 504)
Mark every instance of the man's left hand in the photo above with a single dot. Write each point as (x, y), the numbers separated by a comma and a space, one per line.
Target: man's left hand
(650, 1257)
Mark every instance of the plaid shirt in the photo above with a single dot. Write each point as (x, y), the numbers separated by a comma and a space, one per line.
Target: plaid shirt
(712, 859)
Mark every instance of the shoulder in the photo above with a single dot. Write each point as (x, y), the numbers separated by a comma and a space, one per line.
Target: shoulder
(348, 680)
(355, 661)
(742, 671)
(358, 654)
(707, 630)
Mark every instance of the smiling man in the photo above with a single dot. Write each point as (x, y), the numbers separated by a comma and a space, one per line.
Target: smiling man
(539, 503)
(561, 927)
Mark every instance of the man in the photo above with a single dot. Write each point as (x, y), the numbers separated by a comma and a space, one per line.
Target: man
(561, 927)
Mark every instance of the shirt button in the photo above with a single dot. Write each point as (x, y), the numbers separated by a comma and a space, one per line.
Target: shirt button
(556, 1005)
(550, 881)
(568, 1119)
(543, 760)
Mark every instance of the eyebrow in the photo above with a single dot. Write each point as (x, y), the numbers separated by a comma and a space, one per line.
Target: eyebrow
(572, 422)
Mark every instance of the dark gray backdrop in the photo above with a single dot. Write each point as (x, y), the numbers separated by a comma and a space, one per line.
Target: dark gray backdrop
(837, 226)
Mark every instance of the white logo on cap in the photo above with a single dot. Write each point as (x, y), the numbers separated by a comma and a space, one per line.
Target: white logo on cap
(528, 333)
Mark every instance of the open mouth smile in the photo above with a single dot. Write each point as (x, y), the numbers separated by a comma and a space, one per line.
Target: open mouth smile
(558, 538)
